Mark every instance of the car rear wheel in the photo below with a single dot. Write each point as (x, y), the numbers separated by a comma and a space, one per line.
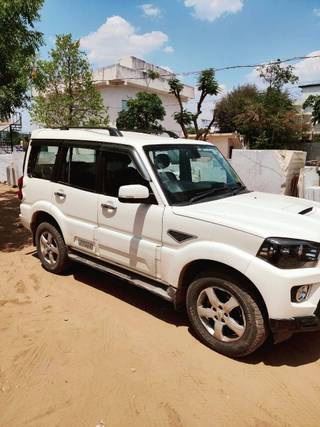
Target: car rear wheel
(225, 315)
(51, 248)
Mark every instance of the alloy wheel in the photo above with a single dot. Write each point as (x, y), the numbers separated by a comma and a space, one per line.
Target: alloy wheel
(221, 314)
(49, 248)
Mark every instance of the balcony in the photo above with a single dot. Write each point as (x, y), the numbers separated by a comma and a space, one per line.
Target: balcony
(121, 75)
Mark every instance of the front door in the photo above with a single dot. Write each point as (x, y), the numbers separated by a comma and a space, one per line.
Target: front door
(128, 234)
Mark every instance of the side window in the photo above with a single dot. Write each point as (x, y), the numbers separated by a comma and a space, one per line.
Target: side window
(41, 161)
(79, 168)
(167, 162)
(120, 170)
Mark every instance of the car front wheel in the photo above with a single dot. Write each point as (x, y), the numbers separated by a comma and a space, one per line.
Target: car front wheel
(225, 315)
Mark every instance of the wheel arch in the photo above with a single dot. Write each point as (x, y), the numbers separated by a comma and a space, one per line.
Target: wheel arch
(43, 216)
(193, 268)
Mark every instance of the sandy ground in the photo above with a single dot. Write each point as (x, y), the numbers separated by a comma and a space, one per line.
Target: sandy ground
(83, 348)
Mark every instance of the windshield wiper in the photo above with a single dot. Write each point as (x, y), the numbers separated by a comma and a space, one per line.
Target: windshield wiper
(208, 193)
(234, 189)
(239, 187)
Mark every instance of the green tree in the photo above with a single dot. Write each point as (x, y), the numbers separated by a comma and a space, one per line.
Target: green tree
(206, 85)
(233, 104)
(19, 42)
(276, 75)
(183, 117)
(149, 76)
(313, 101)
(142, 113)
(266, 119)
(65, 93)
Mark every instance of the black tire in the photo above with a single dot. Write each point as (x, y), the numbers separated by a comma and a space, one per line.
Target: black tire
(62, 261)
(249, 315)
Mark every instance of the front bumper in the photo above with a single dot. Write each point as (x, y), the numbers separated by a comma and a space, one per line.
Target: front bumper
(275, 284)
(282, 329)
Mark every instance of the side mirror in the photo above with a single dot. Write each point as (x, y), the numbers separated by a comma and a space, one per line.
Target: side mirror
(135, 193)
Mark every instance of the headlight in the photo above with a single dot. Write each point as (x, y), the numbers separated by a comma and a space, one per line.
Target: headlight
(289, 253)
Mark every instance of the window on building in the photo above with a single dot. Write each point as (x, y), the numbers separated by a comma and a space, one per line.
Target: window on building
(124, 104)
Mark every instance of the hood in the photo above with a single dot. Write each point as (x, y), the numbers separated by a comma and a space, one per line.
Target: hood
(261, 214)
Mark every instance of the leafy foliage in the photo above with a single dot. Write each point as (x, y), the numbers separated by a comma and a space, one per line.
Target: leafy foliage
(183, 117)
(152, 75)
(316, 139)
(19, 42)
(267, 119)
(206, 85)
(313, 101)
(65, 93)
(142, 113)
(276, 76)
(149, 76)
(232, 104)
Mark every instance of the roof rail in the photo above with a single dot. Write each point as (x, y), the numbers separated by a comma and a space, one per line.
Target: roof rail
(112, 130)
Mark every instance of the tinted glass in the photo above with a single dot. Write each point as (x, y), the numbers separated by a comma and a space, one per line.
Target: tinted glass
(120, 170)
(188, 172)
(79, 168)
(41, 161)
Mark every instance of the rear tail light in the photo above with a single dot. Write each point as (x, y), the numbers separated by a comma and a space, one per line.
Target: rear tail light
(20, 185)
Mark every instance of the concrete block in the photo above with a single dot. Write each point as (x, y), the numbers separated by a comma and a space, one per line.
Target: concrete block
(309, 177)
(313, 193)
(13, 160)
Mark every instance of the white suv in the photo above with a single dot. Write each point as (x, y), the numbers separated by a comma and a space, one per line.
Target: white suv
(172, 216)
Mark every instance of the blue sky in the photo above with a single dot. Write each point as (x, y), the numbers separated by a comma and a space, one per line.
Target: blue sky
(190, 35)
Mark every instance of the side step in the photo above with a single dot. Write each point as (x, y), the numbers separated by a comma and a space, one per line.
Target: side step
(163, 291)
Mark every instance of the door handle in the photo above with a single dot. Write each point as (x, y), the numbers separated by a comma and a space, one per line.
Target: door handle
(108, 206)
(60, 194)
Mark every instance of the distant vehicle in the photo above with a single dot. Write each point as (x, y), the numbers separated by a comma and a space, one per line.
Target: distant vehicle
(174, 218)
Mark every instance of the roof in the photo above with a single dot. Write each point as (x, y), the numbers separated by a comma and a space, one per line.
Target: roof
(131, 71)
(103, 135)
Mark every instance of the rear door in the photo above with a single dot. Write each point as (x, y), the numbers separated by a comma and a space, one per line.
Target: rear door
(74, 195)
(40, 169)
(128, 234)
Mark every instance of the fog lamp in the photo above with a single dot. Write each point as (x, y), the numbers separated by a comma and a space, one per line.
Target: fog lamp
(300, 293)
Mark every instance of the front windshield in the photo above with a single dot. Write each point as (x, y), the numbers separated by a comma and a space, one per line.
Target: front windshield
(190, 173)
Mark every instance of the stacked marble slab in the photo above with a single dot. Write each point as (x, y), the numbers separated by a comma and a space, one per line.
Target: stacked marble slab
(313, 193)
(309, 182)
(271, 171)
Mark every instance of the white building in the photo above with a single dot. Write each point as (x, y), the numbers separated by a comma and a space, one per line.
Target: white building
(120, 82)
(306, 90)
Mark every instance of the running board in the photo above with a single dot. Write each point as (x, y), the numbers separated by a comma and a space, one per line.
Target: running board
(163, 291)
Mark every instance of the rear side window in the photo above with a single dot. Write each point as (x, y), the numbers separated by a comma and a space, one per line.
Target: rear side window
(41, 161)
(79, 168)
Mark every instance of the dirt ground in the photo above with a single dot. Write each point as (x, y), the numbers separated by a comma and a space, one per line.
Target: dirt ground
(83, 348)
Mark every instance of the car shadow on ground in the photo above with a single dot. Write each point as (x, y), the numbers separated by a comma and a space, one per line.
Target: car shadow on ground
(130, 294)
(13, 236)
(300, 349)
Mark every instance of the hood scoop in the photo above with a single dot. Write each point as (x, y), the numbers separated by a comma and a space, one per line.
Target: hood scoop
(306, 211)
